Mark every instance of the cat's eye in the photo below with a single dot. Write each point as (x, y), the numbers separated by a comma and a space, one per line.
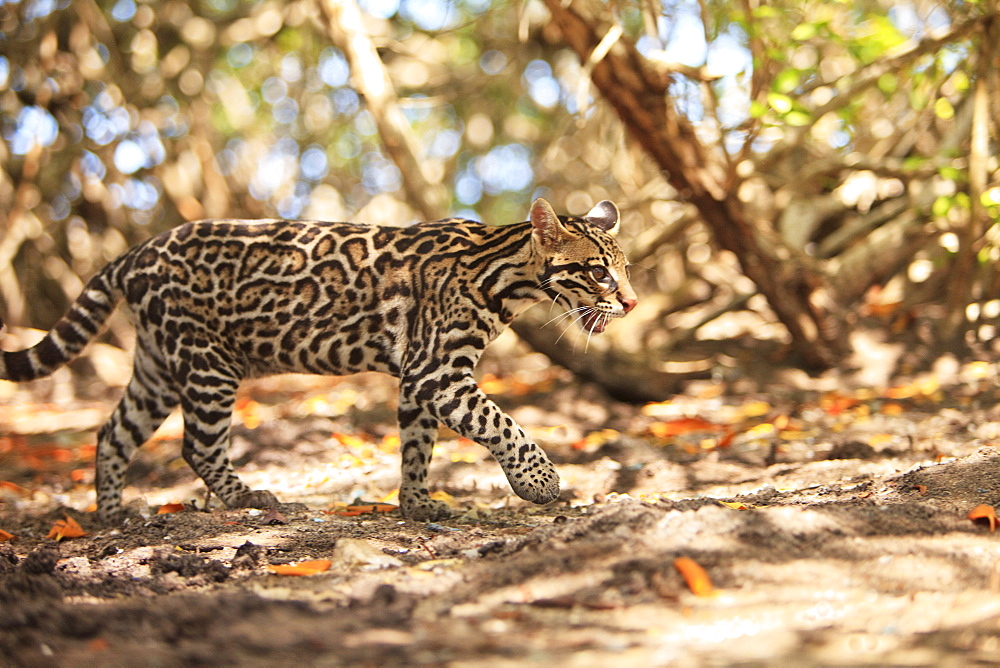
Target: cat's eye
(599, 273)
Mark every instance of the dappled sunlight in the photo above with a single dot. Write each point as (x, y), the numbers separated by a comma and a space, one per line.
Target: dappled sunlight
(786, 453)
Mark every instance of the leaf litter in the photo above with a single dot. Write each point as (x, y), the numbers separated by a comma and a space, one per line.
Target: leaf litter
(835, 525)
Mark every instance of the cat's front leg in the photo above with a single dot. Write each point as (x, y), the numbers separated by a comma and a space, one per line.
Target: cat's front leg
(456, 400)
(417, 433)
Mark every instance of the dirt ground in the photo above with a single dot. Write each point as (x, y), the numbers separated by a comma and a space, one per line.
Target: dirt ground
(844, 539)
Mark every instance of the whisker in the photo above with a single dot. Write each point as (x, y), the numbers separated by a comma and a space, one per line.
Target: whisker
(590, 332)
(640, 265)
(563, 315)
(586, 311)
(576, 320)
(541, 285)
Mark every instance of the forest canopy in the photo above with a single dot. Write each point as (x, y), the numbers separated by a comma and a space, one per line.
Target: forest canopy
(788, 172)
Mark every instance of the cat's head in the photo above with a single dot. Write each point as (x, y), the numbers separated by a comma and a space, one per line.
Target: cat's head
(584, 267)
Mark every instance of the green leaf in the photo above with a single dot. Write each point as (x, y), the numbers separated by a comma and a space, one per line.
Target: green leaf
(766, 12)
(804, 31)
(888, 83)
(780, 103)
(951, 173)
(797, 118)
(960, 80)
(941, 206)
(943, 109)
(990, 196)
(786, 81)
(757, 109)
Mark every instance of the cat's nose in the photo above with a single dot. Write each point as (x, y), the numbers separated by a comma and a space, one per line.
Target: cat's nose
(629, 304)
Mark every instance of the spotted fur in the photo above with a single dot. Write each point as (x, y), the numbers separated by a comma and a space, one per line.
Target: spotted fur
(215, 302)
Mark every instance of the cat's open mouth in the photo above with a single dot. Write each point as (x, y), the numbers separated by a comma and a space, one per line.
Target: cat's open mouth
(595, 322)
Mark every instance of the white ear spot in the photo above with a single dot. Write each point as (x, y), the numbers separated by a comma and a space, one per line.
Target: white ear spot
(604, 216)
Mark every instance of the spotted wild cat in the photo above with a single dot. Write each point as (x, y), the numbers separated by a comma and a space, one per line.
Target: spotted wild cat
(215, 302)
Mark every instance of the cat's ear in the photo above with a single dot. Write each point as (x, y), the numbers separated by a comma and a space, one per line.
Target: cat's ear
(548, 229)
(605, 216)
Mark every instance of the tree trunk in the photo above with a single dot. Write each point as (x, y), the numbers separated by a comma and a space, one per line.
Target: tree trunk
(370, 78)
(639, 96)
(624, 377)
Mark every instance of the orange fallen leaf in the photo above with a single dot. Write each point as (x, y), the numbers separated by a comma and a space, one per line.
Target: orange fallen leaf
(921, 489)
(880, 309)
(98, 645)
(596, 439)
(67, 528)
(302, 568)
(4, 536)
(682, 426)
(14, 487)
(735, 505)
(363, 508)
(170, 508)
(892, 408)
(249, 412)
(695, 576)
(835, 404)
(984, 512)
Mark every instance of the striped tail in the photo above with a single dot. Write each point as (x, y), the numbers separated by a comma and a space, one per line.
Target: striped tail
(69, 336)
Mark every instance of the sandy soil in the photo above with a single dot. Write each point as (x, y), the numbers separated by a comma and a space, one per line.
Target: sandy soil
(852, 545)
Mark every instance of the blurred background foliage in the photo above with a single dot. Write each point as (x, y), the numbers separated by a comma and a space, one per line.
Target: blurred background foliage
(790, 173)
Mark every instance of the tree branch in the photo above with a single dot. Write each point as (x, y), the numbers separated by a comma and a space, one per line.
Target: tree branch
(370, 78)
(639, 96)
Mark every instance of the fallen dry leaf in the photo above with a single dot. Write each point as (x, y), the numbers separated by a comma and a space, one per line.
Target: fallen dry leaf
(15, 488)
(4, 536)
(273, 517)
(170, 508)
(352, 552)
(695, 576)
(984, 512)
(736, 505)
(98, 645)
(301, 568)
(249, 412)
(363, 509)
(682, 426)
(349, 512)
(921, 489)
(441, 495)
(67, 528)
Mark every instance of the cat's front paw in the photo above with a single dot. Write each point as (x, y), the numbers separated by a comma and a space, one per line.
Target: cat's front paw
(425, 510)
(111, 516)
(255, 498)
(535, 481)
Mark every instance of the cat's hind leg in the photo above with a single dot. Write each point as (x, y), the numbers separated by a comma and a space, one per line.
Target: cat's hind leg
(148, 400)
(207, 400)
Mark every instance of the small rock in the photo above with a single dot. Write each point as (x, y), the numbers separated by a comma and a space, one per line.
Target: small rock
(249, 556)
(356, 552)
(41, 560)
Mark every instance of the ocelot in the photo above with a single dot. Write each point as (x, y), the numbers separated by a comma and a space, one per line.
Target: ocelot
(215, 302)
